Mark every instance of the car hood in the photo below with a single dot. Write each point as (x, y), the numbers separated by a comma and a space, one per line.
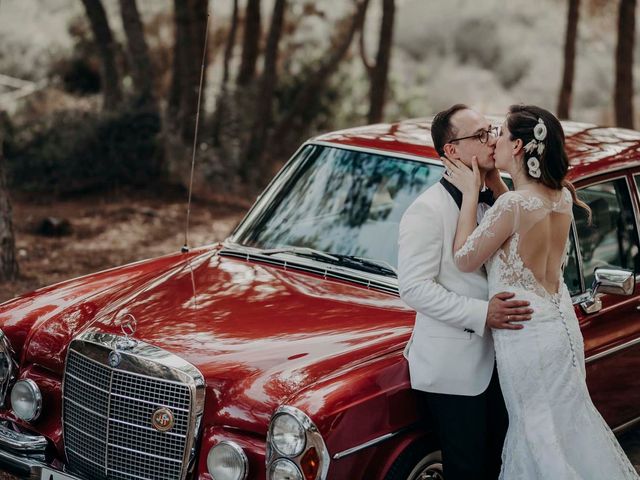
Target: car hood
(259, 334)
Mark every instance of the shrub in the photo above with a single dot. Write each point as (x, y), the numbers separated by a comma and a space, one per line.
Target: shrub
(73, 152)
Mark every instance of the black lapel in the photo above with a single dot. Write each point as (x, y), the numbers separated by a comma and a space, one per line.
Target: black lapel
(453, 191)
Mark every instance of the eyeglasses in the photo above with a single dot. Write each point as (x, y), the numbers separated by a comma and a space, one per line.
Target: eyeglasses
(482, 135)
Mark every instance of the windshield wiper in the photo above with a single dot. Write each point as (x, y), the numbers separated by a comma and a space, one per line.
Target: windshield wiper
(303, 251)
(360, 263)
(368, 264)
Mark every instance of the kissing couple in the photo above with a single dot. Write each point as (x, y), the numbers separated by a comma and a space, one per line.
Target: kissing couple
(504, 378)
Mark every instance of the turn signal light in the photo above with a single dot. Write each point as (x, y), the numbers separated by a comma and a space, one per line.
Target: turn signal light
(310, 463)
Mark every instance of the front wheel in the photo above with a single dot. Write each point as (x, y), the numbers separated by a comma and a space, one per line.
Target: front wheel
(418, 462)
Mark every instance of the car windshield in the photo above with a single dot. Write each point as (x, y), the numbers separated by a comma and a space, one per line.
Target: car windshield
(338, 201)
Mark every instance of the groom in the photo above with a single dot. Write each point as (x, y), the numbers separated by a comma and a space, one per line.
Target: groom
(450, 353)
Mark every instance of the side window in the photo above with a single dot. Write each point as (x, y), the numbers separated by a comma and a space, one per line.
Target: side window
(571, 269)
(611, 240)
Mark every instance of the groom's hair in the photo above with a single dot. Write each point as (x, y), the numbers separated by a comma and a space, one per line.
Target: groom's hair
(441, 129)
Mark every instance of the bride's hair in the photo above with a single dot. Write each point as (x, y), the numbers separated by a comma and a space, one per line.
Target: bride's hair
(554, 162)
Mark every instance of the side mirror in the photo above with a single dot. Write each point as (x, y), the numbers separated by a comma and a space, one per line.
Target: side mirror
(608, 280)
(613, 281)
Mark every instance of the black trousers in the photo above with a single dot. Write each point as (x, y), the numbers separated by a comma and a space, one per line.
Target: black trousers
(471, 431)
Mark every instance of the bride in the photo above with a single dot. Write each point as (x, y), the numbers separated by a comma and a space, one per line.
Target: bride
(554, 429)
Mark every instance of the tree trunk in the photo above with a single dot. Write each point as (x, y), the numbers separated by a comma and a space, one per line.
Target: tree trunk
(319, 78)
(141, 67)
(566, 90)
(623, 96)
(106, 47)
(380, 73)
(250, 43)
(231, 41)
(221, 104)
(263, 111)
(8, 264)
(181, 41)
(190, 23)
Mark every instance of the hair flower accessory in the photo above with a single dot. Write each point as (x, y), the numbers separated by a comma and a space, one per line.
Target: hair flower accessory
(534, 167)
(531, 146)
(540, 130)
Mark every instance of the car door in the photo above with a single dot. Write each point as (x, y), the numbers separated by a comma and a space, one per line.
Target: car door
(611, 334)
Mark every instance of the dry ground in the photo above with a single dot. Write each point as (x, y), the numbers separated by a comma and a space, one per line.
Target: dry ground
(114, 230)
(108, 231)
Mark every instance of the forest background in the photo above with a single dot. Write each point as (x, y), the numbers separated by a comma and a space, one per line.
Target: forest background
(98, 102)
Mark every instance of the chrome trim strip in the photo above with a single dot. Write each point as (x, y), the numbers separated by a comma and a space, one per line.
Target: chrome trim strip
(87, 434)
(599, 174)
(142, 375)
(127, 474)
(626, 425)
(122, 422)
(155, 404)
(83, 407)
(368, 444)
(613, 350)
(21, 442)
(85, 382)
(159, 457)
(82, 456)
(377, 151)
(106, 450)
(95, 337)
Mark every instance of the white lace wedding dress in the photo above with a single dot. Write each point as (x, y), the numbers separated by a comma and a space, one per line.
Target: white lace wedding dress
(555, 432)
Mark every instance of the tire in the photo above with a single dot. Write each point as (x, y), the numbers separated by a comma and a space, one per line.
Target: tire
(418, 462)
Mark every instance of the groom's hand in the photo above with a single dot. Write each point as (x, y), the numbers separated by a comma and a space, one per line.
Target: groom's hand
(503, 312)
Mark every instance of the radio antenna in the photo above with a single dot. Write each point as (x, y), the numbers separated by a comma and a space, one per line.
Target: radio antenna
(185, 247)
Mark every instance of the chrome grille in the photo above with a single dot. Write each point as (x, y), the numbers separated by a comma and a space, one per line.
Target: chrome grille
(107, 415)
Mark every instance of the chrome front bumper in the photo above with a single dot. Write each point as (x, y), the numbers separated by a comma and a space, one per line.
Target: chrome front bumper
(22, 454)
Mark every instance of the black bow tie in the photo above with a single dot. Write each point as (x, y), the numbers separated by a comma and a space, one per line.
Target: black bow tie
(486, 196)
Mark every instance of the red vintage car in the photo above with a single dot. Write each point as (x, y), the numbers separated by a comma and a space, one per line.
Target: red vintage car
(278, 353)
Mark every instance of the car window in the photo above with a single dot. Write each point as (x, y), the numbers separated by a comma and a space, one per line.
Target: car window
(572, 268)
(611, 240)
(344, 202)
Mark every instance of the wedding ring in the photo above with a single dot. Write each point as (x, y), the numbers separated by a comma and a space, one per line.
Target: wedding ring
(508, 318)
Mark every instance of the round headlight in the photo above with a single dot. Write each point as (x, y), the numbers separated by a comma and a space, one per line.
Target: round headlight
(284, 469)
(287, 435)
(227, 461)
(26, 400)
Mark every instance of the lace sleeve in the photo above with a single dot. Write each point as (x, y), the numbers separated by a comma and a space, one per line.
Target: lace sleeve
(498, 224)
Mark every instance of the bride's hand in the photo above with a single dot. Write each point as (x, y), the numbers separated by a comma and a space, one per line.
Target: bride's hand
(465, 179)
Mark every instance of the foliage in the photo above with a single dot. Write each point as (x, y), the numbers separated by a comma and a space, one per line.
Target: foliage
(72, 152)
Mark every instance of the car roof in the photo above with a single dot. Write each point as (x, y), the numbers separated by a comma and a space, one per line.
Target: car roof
(592, 149)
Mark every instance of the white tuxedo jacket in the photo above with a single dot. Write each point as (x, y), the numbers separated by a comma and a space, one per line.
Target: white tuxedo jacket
(451, 349)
